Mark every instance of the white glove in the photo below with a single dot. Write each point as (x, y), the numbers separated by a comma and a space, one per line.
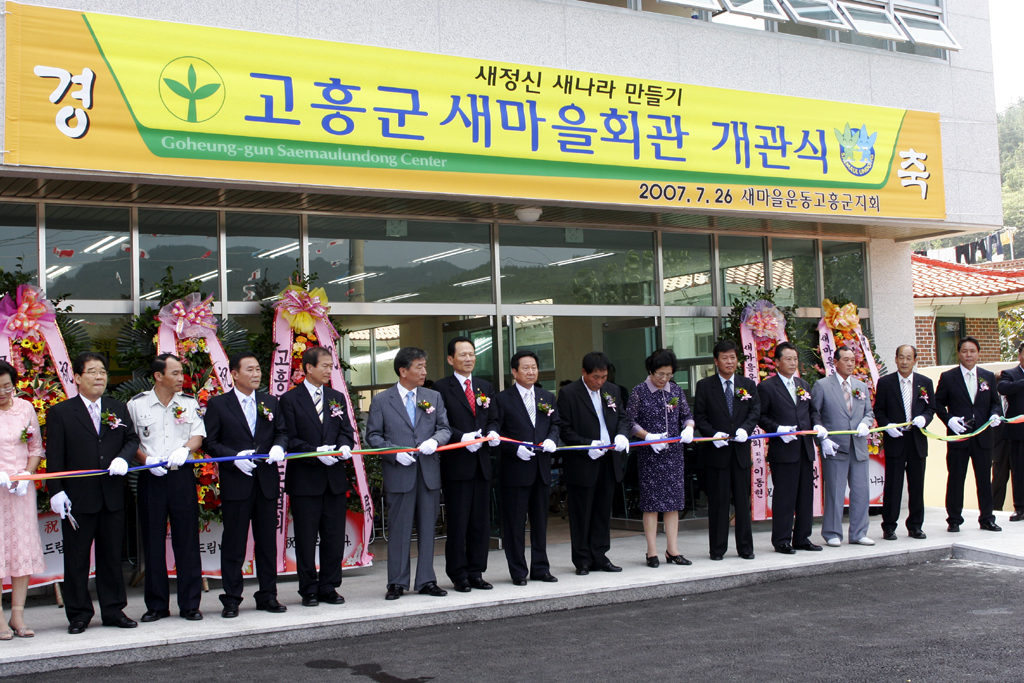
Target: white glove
(246, 466)
(919, 422)
(894, 432)
(956, 425)
(996, 420)
(60, 504)
(822, 433)
(687, 434)
(495, 440)
(405, 459)
(327, 459)
(548, 446)
(471, 436)
(346, 452)
(829, 447)
(276, 455)
(722, 440)
(524, 453)
(5, 479)
(118, 467)
(862, 430)
(156, 471)
(788, 438)
(621, 443)
(178, 457)
(427, 447)
(741, 435)
(21, 487)
(595, 453)
(657, 447)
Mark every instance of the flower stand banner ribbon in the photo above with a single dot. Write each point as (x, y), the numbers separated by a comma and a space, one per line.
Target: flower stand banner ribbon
(840, 326)
(302, 314)
(32, 316)
(191, 318)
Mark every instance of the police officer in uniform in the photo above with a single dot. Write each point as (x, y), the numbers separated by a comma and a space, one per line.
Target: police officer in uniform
(170, 428)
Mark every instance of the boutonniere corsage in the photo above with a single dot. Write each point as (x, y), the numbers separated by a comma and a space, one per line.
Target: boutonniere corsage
(425, 407)
(26, 434)
(982, 385)
(743, 394)
(609, 401)
(922, 393)
(672, 403)
(858, 394)
(265, 412)
(111, 420)
(482, 399)
(803, 394)
(179, 415)
(545, 408)
(336, 409)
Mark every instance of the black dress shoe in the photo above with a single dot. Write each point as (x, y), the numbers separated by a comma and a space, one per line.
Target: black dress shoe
(677, 559)
(546, 578)
(310, 601)
(191, 614)
(394, 591)
(918, 534)
(785, 549)
(462, 585)
(272, 606)
(807, 546)
(155, 615)
(653, 561)
(953, 528)
(518, 582)
(76, 627)
(121, 622)
(433, 589)
(716, 558)
(582, 571)
(609, 567)
(747, 556)
(990, 526)
(1017, 517)
(229, 611)
(480, 584)
(889, 535)
(332, 598)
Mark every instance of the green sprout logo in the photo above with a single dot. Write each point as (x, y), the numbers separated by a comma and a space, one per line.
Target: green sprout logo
(191, 89)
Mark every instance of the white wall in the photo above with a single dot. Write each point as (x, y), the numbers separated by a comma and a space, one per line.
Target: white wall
(892, 296)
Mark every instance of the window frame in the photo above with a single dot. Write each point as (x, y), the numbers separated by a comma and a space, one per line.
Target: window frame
(781, 16)
(825, 4)
(846, 8)
(953, 44)
(708, 5)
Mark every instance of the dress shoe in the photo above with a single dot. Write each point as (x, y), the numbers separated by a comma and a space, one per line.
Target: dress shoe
(990, 526)
(229, 611)
(677, 559)
(918, 534)
(191, 614)
(76, 627)
(332, 598)
(863, 540)
(953, 528)
(394, 591)
(480, 584)
(747, 556)
(609, 567)
(889, 535)
(155, 615)
(653, 561)
(833, 542)
(433, 589)
(582, 571)
(310, 601)
(807, 546)
(785, 549)
(546, 578)
(1017, 517)
(121, 622)
(518, 582)
(462, 585)
(272, 606)
(716, 558)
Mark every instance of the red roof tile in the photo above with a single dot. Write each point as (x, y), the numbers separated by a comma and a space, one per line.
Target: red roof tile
(937, 279)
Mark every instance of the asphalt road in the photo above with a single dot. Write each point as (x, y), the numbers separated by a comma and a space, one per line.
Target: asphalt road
(943, 622)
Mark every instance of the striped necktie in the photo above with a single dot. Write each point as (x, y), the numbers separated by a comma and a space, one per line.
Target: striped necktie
(318, 401)
(531, 408)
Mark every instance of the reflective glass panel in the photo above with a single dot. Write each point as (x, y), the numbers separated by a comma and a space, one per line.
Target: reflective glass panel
(387, 342)
(843, 270)
(687, 268)
(18, 234)
(794, 272)
(816, 12)
(263, 250)
(184, 240)
(103, 330)
(769, 9)
(359, 358)
(741, 264)
(928, 31)
(873, 22)
(692, 340)
(87, 252)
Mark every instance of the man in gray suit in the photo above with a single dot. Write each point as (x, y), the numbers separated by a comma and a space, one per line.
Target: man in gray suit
(409, 416)
(844, 404)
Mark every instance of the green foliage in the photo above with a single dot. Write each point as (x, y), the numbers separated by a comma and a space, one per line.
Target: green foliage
(76, 339)
(1011, 332)
(615, 285)
(10, 280)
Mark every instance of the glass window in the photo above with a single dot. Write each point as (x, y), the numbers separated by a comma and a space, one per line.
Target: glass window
(536, 333)
(765, 9)
(920, 49)
(387, 342)
(816, 13)
(262, 248)
(103, 330)
(873, 21)
(794, 273)
(185, 240)
(843, 271)
(741, 264)
(687, 269)
(18, 233)
(815, 32)
(948, 333)
(927, 31)
(692, 340)
(358, 345)
(681, 8)
(408, 261)
(851, 38)
(545, 265)
(88, 252)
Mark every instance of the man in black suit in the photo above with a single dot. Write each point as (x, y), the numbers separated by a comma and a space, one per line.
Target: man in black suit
(904, 396)
(727, 407)
(1011, 385)
(786, 407)
(590, 409)
(316, 416)
(243, 422)
(525, 413)
(90, 432)
(965, 399)
(466, 472)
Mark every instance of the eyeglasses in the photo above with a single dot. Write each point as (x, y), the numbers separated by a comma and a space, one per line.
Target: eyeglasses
(662, 375)
(7, 390)
(95, 373)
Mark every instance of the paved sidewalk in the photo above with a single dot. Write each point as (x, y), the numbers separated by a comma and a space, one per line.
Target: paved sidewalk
(367, 612)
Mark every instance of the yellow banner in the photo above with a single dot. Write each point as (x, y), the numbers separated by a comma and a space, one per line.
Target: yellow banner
(108, 93)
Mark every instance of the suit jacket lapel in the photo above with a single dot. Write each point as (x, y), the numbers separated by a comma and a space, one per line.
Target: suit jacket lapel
(396, 402)
(837, 389)
(585, 397)
(310, 407)
(460, 389)
(83, 415)
(517, 399)
(235, 407)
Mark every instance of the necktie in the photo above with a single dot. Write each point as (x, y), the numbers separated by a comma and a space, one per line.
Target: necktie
(318, 401)
(906, 384)
(972, 386)
(531, 408)
(595, 398)
(94, 413)
(791, 385)
(249, 405)
(847, 395)
(470, 397)
(729, 395)
(410, 407)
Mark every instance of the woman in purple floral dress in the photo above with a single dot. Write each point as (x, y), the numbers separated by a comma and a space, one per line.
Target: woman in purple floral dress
(658, 410)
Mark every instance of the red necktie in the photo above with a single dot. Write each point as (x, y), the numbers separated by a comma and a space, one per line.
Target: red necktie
(470, 397)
